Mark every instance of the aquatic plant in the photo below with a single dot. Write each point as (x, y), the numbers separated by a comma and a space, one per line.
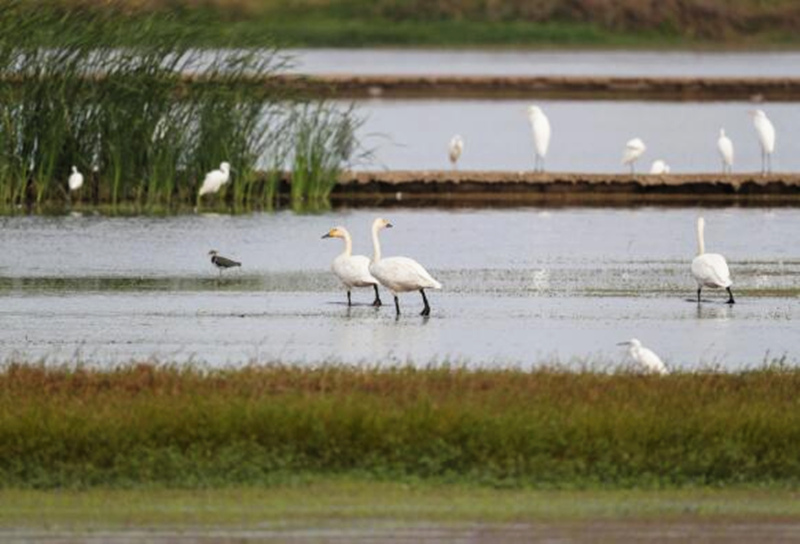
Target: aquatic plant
(145, 122)
(184, 426)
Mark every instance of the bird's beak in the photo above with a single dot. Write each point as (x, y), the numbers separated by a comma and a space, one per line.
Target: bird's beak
(624, 344)
(388, 225)
(326, 235)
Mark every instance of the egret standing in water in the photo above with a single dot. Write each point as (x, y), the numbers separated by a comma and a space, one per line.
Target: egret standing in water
(352, 270)
(766, 137)
(633, 150)
(540, 126)
(725, 146)
(645, 357)
(222, 263)
(455, 150)
(710, 269)
(75, 180)
(399, 274)
(215, 179)
(659, 167)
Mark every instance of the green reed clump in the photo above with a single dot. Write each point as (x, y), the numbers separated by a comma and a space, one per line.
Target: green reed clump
(144, 425)
(144, 122)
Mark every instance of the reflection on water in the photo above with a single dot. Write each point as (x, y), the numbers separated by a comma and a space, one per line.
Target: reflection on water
(520, 287)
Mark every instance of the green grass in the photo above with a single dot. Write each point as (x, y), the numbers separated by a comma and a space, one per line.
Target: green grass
(326, 501)
(547, 429)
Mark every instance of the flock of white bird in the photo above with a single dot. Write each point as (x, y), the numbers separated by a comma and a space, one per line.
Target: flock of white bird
(635, 147)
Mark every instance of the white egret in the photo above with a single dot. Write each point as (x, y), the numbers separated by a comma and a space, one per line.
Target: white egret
(75, 179)
(645, 357)
(455, 150)
(766, 137)
(634, 149)
(540, 125)
(659, 167)
(725, 146)
(352, 270)
(222, 263)
(710, 269)
(399, 274)
(215, 179)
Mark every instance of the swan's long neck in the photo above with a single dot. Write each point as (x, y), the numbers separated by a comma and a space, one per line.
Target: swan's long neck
(348, 244)
(701, 244)
(376, 245)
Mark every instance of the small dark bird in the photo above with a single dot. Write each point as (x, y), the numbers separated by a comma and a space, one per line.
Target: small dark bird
(222, 262)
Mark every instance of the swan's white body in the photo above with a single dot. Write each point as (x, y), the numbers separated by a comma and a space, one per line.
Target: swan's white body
(455, 149)
(766, 137)
(352, 270)
(709, 269)
(725, 147)
(215, 179)
(540, 126)
(645, 357)
(634, 149)
(399, 274)
(75, 180)
(659, 167)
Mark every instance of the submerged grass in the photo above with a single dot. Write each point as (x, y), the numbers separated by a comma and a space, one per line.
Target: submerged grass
(128, 119)
(180, 426)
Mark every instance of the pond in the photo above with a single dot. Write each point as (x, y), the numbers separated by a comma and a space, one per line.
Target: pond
(524, 286)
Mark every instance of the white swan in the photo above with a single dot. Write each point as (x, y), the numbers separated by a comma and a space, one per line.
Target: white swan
(634, 149)
(352, 270)
(399, 274)
(75, 179)
(725, 146)
(540, 125)
(710, 269)
(455, 150)
(766, 137)
(215, 179)
(659, 167)
(645, 357)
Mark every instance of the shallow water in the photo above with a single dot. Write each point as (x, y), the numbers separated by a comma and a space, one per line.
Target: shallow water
(531, 63)
(523, 286)
(587, 136)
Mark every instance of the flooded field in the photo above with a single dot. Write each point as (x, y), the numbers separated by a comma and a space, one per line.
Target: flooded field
(531, 63)
(588, 136)
(523, 286)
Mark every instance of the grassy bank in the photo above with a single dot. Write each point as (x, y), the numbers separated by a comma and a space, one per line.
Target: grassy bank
(349, 23)
(145, 425)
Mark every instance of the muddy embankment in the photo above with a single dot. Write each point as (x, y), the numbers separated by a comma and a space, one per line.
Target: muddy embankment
(493, 188)
(575, 87)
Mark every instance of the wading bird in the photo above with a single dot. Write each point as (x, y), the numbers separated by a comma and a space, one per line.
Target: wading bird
(645, 357)
(399, 274)
(725, 146)
(659, 167)
(221, 262)
(633, 150)
(455, 150)
(75, 180)
(215, 179)
(710, 269)
(766, 137)
(540, 126)
(352, 270)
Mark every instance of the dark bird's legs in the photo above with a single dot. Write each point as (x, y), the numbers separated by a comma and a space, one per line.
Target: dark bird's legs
(730, 295)
(396, 305)
(377, 302)
(427, 309)
(349, 302)
(698, 294)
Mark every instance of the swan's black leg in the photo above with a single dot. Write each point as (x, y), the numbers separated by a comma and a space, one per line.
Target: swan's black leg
(730, 295)
(427, 309)
(349, 303)
(396, 305)
(377, 302)
(698, 294)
